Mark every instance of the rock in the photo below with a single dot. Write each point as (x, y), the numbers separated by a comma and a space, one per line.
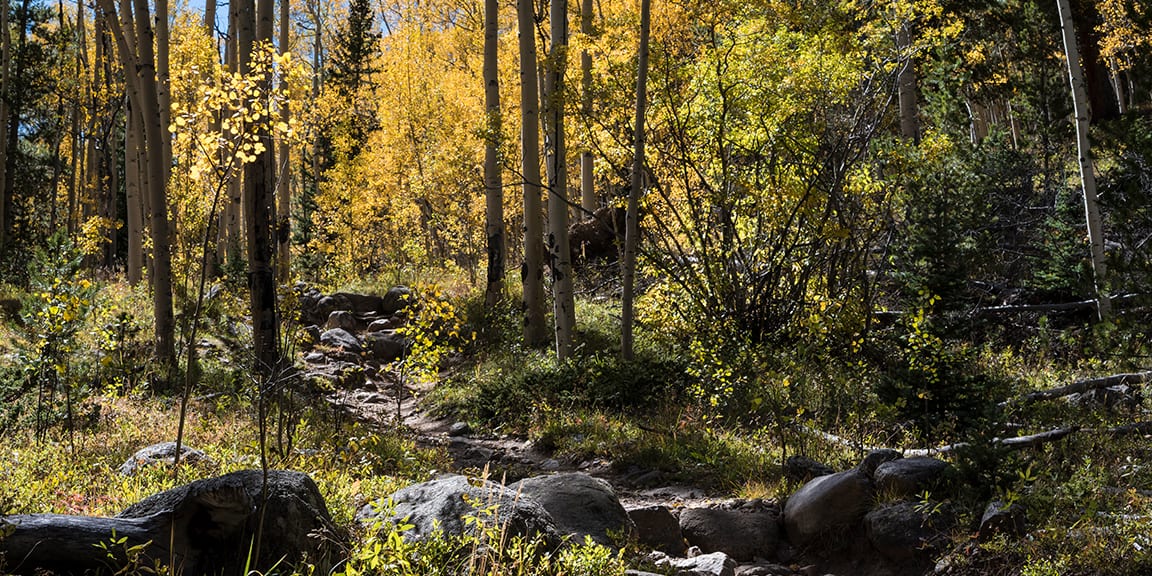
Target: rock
(362, 304)
(802, 469)
(336, 375)
(658, 529)
(901, 532)
(827, 503)
(386, 346)
(908, 477)
(763, 569)
(342, 319)
(1002, 518)
(397, 299)
(315, 358)
(342, 339)
(550, 465)
(741, 534)
(714, 564)
(383, 324)
(580, 505)
(311, 336)
(218, 517)
(326, 305)
(875, 458)
(640, 573)
(459, 429)
(445, 502)
(163, 452)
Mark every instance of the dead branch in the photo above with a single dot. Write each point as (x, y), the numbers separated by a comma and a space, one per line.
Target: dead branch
(1080, 386)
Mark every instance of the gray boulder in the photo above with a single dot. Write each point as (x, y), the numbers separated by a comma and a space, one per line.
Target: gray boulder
(163, 452)
(397, 299)
(342, 339)
(580, 505)
(383, 324)
(743, 534)
(1003, 518)
(444, 503)
(714, 564)
(908, 477)
(386, 346)
(342, 319)
(901, 532)
(215, 519)
(803, 469)
(658, 529)
(361, 304)
(326, 305)
(875, 458)
(826, 504)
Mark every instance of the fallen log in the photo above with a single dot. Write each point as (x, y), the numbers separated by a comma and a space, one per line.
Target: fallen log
(210, 526)
(1080, 386)
(1016, 442)
(76, 544)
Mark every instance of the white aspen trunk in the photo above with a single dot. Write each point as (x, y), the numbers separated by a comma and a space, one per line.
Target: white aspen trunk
(532, 273)
(560, 254)
(906, 86)
(1084, 155)
(587, 176)
(163, 89)
(284, 172)
(494, 229)
(632, 222)
(133, 138)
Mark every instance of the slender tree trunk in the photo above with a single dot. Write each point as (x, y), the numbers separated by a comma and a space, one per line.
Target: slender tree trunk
(14, 109)
(906, 86)
(587, 176)
(560, 253)
(532, 271)
(133, 137)
(632, 222)
(163, 89)
(5, 83)
(143, 93)
(493, 183)
(284, 173)
(1087, 177)
(210, 17)
(259, 203)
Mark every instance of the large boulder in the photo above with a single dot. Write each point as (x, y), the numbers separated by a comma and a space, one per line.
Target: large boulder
(163, 452)
(1003, 518)
(386, 346)
(445, 503)
(802, 469)
(827, 504)
(908, 477)
(342, 339)
(875, 458)
(580, 505)
(714, 564)
(326, 305)
(658, 529)
(903, 532)
(742, 533)
(342, 319)
(215, 521)
(397, 299)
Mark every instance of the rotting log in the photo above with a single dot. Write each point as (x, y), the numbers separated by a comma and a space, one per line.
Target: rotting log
(206, 527)
(64, 544)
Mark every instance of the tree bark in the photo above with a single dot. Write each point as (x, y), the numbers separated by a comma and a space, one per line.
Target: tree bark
(632, 222)
(259, 202)
(906, 86)
(163, 88)
(560, 254)
(1084, 155)
(532, 269)
(5, 82)
(493, 183)
(284, 173)
(587, 175)
(134, 137)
